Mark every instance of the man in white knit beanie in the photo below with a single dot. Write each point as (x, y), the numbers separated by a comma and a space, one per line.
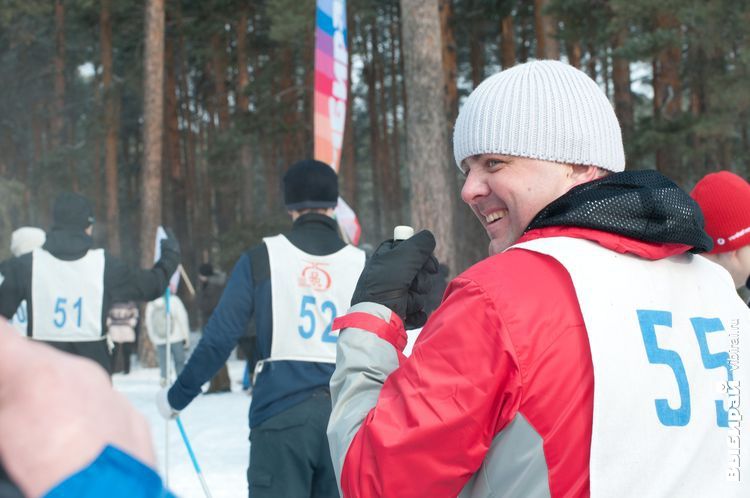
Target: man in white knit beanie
(592, 354)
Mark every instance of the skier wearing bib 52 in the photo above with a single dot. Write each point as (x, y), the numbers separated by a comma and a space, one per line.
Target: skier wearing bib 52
(590, 354)
(69, 287)
(295, 285)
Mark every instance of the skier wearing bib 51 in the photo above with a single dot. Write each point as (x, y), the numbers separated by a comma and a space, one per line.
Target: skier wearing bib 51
(69, 287)
(584, 357)
(295, 285)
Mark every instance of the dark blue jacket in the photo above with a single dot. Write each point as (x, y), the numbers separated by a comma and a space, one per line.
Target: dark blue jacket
(281, 384)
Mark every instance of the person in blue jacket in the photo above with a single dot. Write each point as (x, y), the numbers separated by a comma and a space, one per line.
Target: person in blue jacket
(294, 285)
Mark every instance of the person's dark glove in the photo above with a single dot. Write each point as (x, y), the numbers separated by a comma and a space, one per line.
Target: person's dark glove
(170, 243)
(170, 253)
(399, 275)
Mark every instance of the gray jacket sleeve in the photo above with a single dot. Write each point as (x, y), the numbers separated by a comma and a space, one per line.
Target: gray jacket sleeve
(363, 363)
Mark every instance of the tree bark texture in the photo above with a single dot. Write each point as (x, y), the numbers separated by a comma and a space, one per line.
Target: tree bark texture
(450, 63)
(111, 121)
(547, 46)
(575, 53)
(433, 185)
(507, 42)
(623, 94)
(58, 116)
(668, 95)
(153, 116)
(476, 52)
(348, 168)
(153, 128)
(176, 201)
(243, 104)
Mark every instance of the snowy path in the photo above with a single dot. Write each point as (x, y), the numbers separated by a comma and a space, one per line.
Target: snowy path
(216, 425)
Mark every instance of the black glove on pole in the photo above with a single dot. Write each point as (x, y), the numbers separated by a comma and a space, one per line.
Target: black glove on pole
(170, 253)
(399, 276)
(170, 243)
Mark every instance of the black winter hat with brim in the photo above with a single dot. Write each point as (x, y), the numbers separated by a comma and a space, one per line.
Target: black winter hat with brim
(72, 212)
(310, 184)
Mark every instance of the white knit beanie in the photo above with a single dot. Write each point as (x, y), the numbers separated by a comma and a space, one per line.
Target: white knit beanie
(544, 110)
(26, 239)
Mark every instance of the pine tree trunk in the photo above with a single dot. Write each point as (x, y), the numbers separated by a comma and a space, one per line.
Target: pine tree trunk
(547, 46)
(243, 76)
(526, 30)
(288, 101)
(623, 93)
(153, 116)
(219, 74)
(476, 52)
(192, 211)
(391, 188)
(433, 189)
(574, 53)
(111, 122)
(37, 131)
(58, 115)
(225, 190)
(450, 63)
(668, 97)
(507, 42)
(348, 169)
(177, 204)
(394, 108)
(378, 180)
(591, 64)
(243, 105)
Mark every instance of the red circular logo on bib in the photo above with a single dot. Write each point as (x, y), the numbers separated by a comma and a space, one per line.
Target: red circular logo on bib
(315, 277)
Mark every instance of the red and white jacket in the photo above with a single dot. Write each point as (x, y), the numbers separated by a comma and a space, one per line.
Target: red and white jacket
(497, 396)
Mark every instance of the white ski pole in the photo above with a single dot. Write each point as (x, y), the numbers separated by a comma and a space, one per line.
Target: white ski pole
(168, 376)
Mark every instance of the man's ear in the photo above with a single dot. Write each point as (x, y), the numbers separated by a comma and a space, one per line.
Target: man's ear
(583, 174)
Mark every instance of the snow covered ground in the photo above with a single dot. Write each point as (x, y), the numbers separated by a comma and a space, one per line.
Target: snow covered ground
(216, 425)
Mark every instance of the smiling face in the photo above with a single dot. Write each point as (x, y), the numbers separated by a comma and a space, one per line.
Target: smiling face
(506, 192)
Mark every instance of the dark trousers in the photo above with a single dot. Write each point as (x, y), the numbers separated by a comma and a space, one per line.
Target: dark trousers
(121, 357)
(289, 454)
(93, 350)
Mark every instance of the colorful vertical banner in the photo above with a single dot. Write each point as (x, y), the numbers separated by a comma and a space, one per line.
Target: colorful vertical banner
(331, 83)
(331, 80)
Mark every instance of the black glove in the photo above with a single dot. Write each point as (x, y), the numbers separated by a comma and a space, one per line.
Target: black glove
(170, 254)
(399, 275)
(170, 243)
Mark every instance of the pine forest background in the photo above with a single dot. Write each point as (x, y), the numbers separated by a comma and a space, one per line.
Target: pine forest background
(205, 150)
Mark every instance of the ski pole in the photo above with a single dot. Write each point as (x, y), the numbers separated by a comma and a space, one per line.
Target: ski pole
(167, 373)
(192, 457)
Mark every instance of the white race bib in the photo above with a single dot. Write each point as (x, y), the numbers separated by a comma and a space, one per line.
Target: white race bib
(307, 293)
(665, 337)
(67, 297)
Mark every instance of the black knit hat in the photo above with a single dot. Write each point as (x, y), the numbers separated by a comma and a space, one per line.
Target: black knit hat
(72, 212)
(310, 184)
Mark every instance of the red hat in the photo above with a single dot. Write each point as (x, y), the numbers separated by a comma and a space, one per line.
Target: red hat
(724, 199)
